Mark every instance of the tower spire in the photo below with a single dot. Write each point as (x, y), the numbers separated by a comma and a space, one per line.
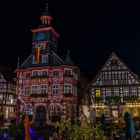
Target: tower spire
(68, 60)
(18, 63)
(46, 17)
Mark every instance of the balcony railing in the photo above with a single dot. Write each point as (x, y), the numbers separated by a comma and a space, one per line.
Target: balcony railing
(131, 98)
(39, 76)
(68, 75)
(38, 95)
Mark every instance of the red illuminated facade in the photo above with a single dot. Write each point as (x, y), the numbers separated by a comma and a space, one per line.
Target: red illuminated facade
(47, 84)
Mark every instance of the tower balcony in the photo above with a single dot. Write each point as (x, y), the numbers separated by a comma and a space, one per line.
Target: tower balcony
(68, 75)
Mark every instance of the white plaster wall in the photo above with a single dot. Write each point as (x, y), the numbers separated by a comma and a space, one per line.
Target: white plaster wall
(86, 110)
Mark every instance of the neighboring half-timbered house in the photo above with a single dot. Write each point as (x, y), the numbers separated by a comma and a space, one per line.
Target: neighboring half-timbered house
(115, 89)
(7, 93)
(47, 84)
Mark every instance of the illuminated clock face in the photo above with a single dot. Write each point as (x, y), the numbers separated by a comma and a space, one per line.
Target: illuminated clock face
(40, 36)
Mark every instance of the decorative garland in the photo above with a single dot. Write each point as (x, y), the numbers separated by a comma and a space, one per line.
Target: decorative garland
(39, 76)
(116, 99)
(68, 94)
(131, 98)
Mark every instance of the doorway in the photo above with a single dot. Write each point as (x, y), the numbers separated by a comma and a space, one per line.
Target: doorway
(41, 115)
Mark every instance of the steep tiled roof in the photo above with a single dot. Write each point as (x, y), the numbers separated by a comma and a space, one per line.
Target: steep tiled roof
(68, 61)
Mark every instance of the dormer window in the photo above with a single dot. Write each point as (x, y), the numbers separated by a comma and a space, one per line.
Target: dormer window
(42, 46)
(44, 58)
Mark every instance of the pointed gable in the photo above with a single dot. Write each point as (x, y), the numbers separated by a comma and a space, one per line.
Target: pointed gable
(115, 72)
(68, 61)
(114, 63)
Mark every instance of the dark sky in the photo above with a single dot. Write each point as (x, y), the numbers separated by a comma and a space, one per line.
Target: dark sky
(91, 30)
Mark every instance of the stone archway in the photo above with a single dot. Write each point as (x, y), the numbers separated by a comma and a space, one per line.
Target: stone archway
(41, 115)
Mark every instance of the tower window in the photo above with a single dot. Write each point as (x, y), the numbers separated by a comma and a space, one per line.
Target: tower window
(44, 58)
(34, 60)
(55, 88)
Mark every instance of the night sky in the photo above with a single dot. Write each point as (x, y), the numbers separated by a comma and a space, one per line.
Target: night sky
(91, 30)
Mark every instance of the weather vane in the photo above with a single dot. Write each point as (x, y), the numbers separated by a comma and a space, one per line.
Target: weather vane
(47, 5)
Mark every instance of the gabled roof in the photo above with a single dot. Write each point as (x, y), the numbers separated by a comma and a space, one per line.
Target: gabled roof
(53, 60)
(68, 61)
(114, 63)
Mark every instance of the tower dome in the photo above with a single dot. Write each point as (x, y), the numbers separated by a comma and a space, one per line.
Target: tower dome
(46, 17)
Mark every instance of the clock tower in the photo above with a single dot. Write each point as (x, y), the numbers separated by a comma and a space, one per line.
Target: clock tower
(44, 43)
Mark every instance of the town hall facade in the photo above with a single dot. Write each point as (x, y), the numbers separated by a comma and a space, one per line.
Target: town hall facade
(46, 83)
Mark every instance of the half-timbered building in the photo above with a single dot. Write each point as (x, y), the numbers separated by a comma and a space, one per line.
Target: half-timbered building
(47, 83)
(115, 90)
(7, 93)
